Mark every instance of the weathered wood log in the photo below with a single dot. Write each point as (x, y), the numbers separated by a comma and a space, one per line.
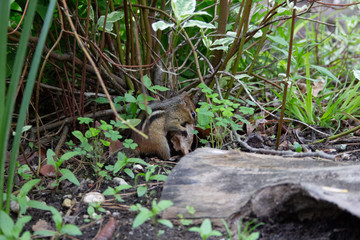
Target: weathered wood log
(233, 184)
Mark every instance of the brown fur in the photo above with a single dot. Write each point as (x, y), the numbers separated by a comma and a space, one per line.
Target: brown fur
(170, 115)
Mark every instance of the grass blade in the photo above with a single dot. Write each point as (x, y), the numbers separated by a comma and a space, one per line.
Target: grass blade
(27, 95)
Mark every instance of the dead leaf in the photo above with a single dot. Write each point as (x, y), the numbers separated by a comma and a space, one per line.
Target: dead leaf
(318, 86)
(115, 146)
(180, 142)
(108, 230)
(203, 133)
(48, 170)
(41, 225)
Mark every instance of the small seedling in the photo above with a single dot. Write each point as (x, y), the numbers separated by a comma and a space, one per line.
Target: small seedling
(206, 230)
(114, 192)
(66, 173)
(11, 230)
(148, 175)
(93, 208)
(187, 222)
(153, 213)
(247, 233)
(62, 229)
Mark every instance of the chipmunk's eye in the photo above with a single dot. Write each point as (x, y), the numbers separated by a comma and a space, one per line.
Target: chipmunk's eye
(193, 114)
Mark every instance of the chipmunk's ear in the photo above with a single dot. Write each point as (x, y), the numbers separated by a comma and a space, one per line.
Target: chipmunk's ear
(186, 95)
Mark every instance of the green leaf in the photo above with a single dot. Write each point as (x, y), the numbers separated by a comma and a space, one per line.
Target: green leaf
(26, 236)
(253, 236)
(129, 98)
(90, 210)
(123, 187)
(216, 233)
(194, 229)
(109, 191)
(118, 166)
(166, 222)
(28, 186)
(162, 205)
(46, 233)
(135, 207)
(38, 205)
(205, 116)
(185, 222)
(66, 156)
(222, 43)
(158, 177)
(137, 160)
(199, 24)
(205, 228)
(160, 88)
(240, 76)
(147, 82)
(6, 224)
(247, 110)
(357, 74)
(133, 122)
(161, 25)
(101, 100)
(67, 174)
(85, 120)
(148, 175)
(25, 128)
(183, 9)
(79, 136)
(279, 40)
(298, 147)
(118, 198)
(71, 230)
(115, 16)
(129, 172)
(325, 72)
(142, 217)
(50, 157)
(111, 18)
(105, 143)
(191, 210)
(19, 225)
(141, 190)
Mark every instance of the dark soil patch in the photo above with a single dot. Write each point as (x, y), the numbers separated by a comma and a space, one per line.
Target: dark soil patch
(341, 228)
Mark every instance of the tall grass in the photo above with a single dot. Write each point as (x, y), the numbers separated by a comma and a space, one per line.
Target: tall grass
(8, 94)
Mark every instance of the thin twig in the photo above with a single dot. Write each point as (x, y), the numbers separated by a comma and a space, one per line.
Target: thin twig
(320, 154)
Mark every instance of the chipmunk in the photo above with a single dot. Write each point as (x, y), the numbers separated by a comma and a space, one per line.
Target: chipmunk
(170, 115)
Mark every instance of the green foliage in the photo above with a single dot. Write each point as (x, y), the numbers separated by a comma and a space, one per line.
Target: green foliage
(247, 233)
(153, 213)
(8, 92)
(125, 164)
(298, 147)
(183, 10)
(68, 229)
(11, 230)
(93, 208)
(148, 176)
(23, 171)
(220, 116)
(111, 18)
(96, 139)
(339, 105)
(183, 30)
(205, 230)
(114, 192)
(187, 222)
(66, 173)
